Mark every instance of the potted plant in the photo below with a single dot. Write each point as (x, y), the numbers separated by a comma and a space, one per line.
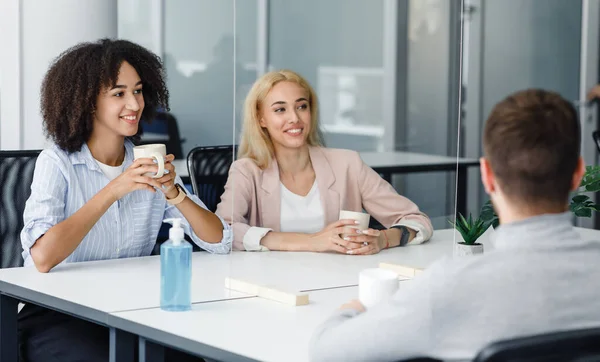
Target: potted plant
(470, 230)
(488, 214)
(581, 205)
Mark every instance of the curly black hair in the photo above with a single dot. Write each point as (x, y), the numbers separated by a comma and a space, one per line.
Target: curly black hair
(72, 84)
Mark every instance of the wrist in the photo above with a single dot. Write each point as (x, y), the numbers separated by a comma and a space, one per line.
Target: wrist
(172, 193)
(181, 195)
(384, 242)
(311, 241)
(110, 194)
(411, 234)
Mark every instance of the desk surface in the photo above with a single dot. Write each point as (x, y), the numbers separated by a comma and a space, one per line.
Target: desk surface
(155, 137)
(93, 289)
(387, 161)
(248, 329)
(327, 270)
(379, 160)
(245, 324)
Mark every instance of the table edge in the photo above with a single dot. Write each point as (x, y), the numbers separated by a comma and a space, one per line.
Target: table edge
(174, 341)
(433, 167)
(29, 296)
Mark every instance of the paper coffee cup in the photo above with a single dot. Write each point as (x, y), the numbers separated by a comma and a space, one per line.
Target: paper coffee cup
(376, 285)
(362, 218)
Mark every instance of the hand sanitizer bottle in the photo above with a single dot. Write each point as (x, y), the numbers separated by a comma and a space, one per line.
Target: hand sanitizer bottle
(175, 270)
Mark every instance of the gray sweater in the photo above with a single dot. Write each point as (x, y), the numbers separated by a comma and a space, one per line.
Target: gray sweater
(541, 277)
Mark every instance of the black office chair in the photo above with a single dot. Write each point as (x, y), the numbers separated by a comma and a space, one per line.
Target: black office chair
(596, 136)
(208, 168)
(568, 346)
(16, 175)
(165, 123)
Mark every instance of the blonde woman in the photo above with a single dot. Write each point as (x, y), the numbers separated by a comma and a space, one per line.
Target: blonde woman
(286, 190)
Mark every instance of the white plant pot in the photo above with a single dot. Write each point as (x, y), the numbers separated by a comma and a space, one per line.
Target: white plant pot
(466, 250)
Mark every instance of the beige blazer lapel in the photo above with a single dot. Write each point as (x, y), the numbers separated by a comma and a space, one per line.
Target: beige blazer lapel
(330, 197)
(270, 200)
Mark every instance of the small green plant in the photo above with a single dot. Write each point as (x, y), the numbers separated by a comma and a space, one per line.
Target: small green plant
(488, 214)
(470, 229)
(581, 205)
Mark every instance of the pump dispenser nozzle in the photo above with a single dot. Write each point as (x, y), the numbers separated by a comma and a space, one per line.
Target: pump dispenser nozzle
(176, 232)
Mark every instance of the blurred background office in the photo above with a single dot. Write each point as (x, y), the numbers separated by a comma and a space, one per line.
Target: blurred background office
(386, 72)
(393, 76)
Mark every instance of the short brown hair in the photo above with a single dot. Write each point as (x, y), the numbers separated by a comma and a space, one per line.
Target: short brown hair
(532, 142)
(71, 86)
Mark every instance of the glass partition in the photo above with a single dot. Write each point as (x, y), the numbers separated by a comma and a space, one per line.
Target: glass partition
(199, 55)
(388, 87)
(209, 61)
(387, 75)
(515, 45)
(406, 84)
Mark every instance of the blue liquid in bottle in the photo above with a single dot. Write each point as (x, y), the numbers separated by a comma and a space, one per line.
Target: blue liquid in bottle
(175, 270)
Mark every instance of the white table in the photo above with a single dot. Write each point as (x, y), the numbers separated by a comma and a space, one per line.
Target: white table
(96, 290)
(91, 290)
(106, 286)
(398, 161)
(244, 330)
(148, 137)
(328, 270)
(236, 329)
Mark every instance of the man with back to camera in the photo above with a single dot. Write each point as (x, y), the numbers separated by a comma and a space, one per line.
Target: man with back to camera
(539, 278)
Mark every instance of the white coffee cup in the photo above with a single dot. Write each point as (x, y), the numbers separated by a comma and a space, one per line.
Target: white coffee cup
(362, 218)
(157, 151)
(376, 285)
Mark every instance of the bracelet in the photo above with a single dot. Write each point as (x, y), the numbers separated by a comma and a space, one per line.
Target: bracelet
(177, 200)
(387, 241)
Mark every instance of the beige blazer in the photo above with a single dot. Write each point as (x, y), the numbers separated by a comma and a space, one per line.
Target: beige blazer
(345, 182)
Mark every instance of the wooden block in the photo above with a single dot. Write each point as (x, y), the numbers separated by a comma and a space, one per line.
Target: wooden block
(275, 294)
(241, 286)
(401, 270)
(283, 296)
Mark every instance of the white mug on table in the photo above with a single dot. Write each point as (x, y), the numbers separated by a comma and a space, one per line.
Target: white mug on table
(157, 151)
(376, 285)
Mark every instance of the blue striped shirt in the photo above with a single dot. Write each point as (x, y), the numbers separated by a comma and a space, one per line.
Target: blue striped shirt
(63, 182)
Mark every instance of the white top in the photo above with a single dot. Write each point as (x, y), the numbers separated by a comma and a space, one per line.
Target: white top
(111, 172)
(301, 214)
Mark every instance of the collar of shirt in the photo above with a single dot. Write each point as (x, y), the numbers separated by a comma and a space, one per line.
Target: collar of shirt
(84, 157)
(537, 232)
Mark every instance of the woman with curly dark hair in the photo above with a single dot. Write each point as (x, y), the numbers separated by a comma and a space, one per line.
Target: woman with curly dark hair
(90, 199)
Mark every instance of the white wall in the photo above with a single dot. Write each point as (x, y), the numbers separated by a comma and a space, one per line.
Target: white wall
(33, 33)
(10, 110)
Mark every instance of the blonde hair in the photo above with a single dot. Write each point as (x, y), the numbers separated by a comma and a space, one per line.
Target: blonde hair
(255, 142)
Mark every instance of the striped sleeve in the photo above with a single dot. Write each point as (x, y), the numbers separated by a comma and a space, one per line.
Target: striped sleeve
(46, 205)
